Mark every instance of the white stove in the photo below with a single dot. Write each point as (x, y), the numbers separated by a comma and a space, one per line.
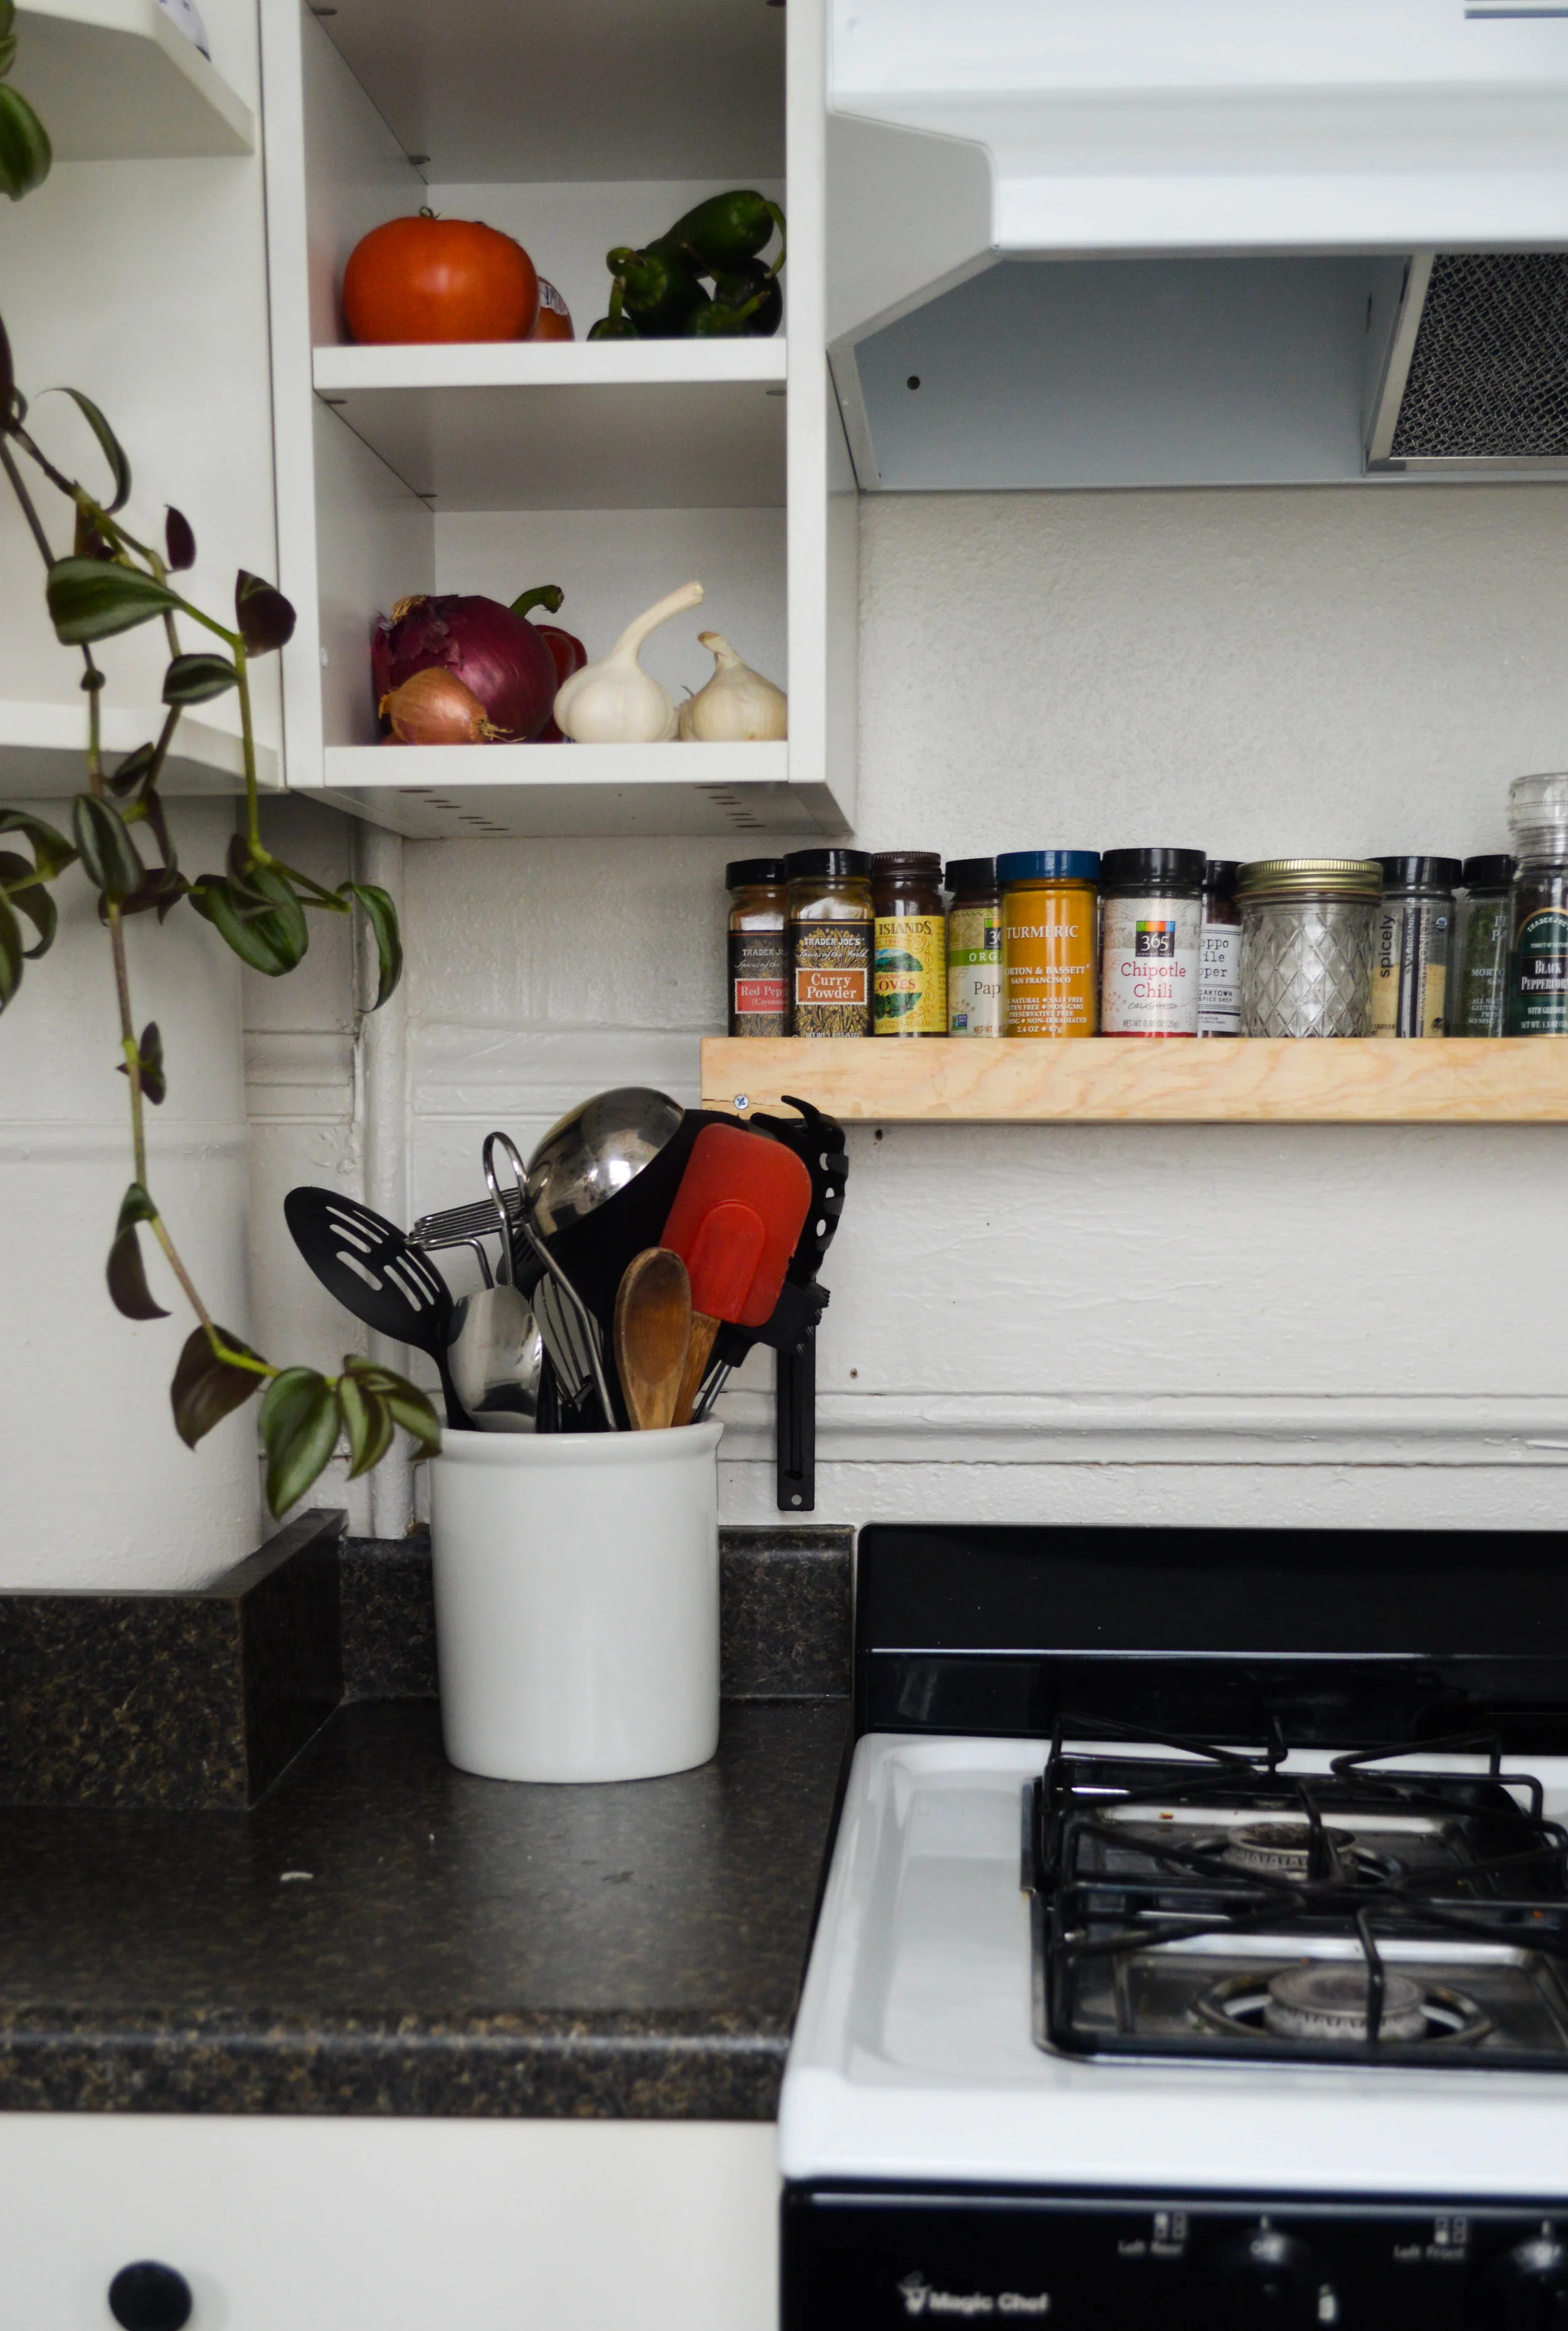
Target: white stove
(953, 2145)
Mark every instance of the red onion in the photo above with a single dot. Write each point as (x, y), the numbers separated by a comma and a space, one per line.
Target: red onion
(497, 655)
(436, 708)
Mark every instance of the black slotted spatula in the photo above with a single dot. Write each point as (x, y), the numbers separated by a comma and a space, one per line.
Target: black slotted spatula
(366, 1263)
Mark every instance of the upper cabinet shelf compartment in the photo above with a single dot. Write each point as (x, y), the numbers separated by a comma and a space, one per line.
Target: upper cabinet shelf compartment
(602, 424)
(116, 81)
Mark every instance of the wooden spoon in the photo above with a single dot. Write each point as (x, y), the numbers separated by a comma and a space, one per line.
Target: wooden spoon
(653, 1331)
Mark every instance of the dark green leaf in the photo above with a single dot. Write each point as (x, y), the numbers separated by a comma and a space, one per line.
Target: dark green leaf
(28, 898)
(262, 616)
(51, 851)
(368, 1422)
(132, 770)
(263, 892)
(195, 679)
(127, 1274)
(299, 1425)
(405, 1401)
(11, 954)
(149, 1059)
(109, 856)
(7, 36)
(179, 542)
(382, 917)
(207, 1388)
(25, 155)
(92, 602)
(113, 451)
(160, 894)
(259, 939)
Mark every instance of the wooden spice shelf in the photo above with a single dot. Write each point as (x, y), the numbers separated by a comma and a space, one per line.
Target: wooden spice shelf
(1225, 1081)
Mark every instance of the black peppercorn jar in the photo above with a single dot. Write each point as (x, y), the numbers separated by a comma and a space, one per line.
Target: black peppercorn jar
(830, 942)
(1538, 958)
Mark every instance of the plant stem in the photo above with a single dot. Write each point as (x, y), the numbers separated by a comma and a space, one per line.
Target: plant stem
(19, 487)
(247, 739)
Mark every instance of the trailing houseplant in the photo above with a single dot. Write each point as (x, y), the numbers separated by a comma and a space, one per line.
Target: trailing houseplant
(110, 581)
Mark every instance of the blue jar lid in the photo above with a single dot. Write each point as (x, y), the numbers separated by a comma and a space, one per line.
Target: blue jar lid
(1048, 866)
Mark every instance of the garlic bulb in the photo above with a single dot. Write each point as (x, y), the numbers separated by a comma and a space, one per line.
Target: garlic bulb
(615, 701)
(737, 707)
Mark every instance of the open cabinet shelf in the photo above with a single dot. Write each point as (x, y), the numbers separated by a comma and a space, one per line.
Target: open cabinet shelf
(44, 751)
(1118, 1080)
(116, 81)
(467, 792)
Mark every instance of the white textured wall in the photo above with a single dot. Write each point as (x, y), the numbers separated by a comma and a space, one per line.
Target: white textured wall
(1034, 1323)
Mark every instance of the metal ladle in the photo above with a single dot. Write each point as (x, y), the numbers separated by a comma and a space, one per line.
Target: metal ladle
(497, 1352)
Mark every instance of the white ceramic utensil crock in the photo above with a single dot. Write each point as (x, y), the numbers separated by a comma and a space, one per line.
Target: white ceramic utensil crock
(577, 1601)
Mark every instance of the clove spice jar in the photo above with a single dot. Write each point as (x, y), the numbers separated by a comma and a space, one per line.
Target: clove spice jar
(910, 974)
(973, 948)
(1481, 950)
(830, 937)
(759, 911)
(1307, 929)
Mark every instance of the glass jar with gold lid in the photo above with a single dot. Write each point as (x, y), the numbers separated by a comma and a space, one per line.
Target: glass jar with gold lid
(1308, 929)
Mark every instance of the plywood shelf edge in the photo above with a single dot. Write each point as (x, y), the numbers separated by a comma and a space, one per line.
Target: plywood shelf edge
(1228, 1080)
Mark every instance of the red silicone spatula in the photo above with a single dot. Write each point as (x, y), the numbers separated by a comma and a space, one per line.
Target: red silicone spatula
(737, 1215)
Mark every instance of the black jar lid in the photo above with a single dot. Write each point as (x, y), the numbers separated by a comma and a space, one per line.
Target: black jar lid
(1220, 875)
(907, 861)
(1419, 873)
(1153, 869)
(1493, 874)
(829, 864)
(751, 873)
(965, 874)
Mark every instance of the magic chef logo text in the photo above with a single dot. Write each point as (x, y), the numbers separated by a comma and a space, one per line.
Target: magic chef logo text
(919, 2298)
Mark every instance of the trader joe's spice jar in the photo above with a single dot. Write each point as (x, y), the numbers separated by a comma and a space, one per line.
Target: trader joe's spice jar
(1150, 926)
(758, 986)
(830, 942)
(909, 976)
(1048, 941)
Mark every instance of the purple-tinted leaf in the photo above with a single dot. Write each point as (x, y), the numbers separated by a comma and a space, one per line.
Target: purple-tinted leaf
(262, 616)
(179, 542)
(126, 1273)
(206, 1388)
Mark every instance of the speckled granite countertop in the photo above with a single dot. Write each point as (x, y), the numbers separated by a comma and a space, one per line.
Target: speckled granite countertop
(459, 1946)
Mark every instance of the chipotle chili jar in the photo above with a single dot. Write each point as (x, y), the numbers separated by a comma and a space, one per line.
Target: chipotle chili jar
(758, 911)
(830, 942)
(909, 975)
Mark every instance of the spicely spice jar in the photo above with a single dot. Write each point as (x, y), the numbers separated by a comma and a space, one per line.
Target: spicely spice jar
(1414, 941)
(1538, 976)
(830, 937)
(758, 910)
(1151, 920)
(909, 970)
(973, 948)
(1049, 917)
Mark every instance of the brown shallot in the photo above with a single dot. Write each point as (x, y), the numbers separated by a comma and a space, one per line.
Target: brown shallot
(435, 707)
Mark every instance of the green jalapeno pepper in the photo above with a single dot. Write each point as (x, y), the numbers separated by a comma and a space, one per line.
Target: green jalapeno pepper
(748, 305)
(660, 291)
(727, 230)
(617, 325)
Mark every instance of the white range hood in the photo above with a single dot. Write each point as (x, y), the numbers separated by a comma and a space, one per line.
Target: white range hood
(1287, 157)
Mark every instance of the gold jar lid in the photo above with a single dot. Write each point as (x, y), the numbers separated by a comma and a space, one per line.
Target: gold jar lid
(1297, 878)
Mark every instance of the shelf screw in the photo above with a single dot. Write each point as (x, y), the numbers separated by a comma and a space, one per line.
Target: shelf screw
(743, 1100)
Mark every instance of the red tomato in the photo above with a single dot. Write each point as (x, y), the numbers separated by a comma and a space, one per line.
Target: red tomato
(430, 279)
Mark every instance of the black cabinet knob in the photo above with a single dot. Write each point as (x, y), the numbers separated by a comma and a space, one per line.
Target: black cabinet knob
(147, 2296)
(1527, 2289)
(1266, 2281)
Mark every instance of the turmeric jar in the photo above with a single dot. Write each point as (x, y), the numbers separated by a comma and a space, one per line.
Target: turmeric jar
(1049, 942)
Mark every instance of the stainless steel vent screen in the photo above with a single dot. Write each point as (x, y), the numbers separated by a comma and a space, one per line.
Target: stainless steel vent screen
(1488, 377)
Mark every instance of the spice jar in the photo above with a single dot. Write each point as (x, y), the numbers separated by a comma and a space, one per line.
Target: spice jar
(758, 911)
(909, 975)
(830, 942)
(1150, 924)
(1415, 933)
(1220, 952)
(973, 948)
(1481, 949)
(1538, 955)
(1307, 927)
(1049, 918)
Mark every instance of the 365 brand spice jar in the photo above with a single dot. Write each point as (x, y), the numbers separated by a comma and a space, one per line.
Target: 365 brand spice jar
(758, 910)
(1538, 976)
(1307, 927)
(1415, 937)
(973, 948)
(1220, 952)
(1049, 916)
(1481, 951)
(909, 969)
(1150, 922)
(830, 937)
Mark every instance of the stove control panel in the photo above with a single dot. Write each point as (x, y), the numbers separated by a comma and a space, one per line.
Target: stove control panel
(871, 2258)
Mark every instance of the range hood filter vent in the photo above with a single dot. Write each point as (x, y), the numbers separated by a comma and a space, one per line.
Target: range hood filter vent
(1488, 378)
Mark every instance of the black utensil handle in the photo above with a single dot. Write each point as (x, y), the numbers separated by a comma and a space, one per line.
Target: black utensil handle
(796, 1394)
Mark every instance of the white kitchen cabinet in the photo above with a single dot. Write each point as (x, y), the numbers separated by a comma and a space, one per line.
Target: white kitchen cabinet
(618, 469)
(117, 81)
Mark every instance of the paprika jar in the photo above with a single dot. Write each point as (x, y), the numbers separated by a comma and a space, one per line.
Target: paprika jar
(1050, 931)
(909, 972)
(973, 948)
(758, 911)
(829, 939)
